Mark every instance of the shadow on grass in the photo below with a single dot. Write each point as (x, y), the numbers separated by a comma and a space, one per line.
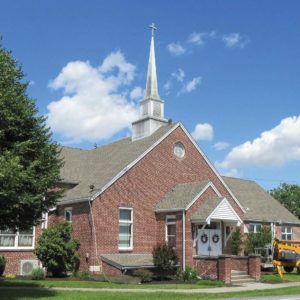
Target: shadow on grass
(25, 293)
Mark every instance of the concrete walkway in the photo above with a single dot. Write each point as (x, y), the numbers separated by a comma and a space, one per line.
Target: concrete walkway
(241, 288)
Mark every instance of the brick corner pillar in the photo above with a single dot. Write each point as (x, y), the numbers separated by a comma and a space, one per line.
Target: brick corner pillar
(254, 266)
(224, 268)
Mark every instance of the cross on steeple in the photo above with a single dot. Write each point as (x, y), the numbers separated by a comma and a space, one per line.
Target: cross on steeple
(153, 28)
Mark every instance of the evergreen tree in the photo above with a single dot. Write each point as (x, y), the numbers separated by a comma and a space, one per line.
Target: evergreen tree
(29, 159)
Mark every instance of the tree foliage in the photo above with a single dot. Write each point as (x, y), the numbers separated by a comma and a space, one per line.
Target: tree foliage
(29, 159)
(236, 241)
(57, 250)
(289, 196)
(164, 258)
(258, 240)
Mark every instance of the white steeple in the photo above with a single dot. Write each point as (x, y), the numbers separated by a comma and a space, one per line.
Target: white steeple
(151, 107)
(151, 85)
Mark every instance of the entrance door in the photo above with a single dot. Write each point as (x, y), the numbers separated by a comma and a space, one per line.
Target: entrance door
(209, 240)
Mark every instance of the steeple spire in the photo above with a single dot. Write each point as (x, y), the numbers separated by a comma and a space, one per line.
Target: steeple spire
(151, 85)
(151, 107)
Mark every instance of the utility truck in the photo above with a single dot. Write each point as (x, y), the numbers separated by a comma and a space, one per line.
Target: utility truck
(286, 255)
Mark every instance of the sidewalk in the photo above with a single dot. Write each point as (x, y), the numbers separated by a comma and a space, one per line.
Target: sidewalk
(241, 288)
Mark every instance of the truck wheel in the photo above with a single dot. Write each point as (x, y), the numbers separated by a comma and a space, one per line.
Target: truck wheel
(288, 269)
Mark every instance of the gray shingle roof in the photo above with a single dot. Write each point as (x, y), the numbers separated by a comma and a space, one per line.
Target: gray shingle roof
(206, 208)
(181, 195)
(129, 261)
(259, 205)
(98, 166)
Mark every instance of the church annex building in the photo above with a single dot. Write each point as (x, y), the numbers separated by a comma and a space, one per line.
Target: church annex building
(156, 186)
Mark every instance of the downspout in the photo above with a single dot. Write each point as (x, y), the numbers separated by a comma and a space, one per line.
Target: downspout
(94, 231)
(183, 240)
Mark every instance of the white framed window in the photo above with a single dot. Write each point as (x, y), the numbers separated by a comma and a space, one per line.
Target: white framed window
(286, 233)
(254, 227)
(23, 239)
(171, 230)
(125, 228)
(68, 215)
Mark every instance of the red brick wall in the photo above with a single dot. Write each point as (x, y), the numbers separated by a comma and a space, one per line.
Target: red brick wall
(206, 267)
(110, 270)
(221, 267)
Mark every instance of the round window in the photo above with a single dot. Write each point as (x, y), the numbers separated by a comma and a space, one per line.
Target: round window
(179, 150)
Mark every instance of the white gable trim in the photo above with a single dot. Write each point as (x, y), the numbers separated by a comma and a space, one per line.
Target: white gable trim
(210, 184)
(212, 167)
(127, 168)
(224, 201)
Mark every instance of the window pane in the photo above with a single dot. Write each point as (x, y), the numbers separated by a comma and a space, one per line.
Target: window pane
(25, 240)
(7, 241)
(172, 241)
(124, 243)
(171, 230)
(125, 214)
(29, 231)
(125, 229)
(68, 215)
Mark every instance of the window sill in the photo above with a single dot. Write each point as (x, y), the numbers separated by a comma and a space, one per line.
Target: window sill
(16, 248)
(125, 249)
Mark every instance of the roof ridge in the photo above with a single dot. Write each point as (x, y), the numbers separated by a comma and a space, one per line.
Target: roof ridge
(236, 178)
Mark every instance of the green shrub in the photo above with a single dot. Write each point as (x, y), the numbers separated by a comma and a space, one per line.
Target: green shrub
(188, 274)
(164, 258)
(82, 275)
(38, 274)
(236, 242)
(258, 240)
(2, 265)
(57, 250)
(144, 274)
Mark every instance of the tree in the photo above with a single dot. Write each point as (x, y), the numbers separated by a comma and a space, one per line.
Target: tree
(258, 240)
(289, 196)
(57, 250)
(29, 159)
(236, 241)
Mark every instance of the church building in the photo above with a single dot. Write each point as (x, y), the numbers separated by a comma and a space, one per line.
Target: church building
(154, 187)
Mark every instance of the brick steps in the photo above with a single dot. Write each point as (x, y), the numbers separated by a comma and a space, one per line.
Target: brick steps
(240, 277)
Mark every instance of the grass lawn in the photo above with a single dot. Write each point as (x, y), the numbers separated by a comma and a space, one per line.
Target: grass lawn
(275, 278)
(94, 284)
(14, 294)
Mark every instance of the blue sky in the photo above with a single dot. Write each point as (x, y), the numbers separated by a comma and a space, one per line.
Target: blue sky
(230, 67)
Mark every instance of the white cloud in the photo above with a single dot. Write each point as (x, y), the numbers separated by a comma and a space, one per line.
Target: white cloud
(176, 49)
(191, 85)
(274, 148)
(94, 106)
(231, 173)
(221, 145)
(137, 93)
(167, 87)
(179, 75)
(197, 38)
(204, 132)
(235, 40)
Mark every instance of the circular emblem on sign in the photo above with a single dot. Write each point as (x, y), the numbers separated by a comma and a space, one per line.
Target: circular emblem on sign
(204, 238)
(215, 238)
